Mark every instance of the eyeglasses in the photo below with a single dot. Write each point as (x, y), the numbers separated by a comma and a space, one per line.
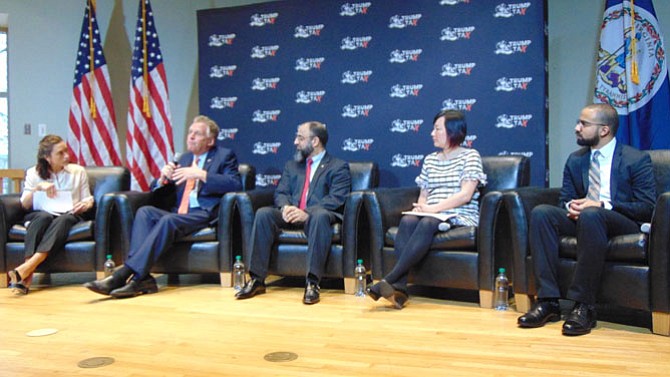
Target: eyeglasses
(585, 123)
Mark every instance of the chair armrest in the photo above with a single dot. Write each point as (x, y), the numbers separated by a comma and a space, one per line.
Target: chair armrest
(518, 205)
(126, 204)
(659, 260)
(384, 209)
(352, 232)
(489, 255)
(247, 204)
(107, 224)
(227, 231)
(11, 212)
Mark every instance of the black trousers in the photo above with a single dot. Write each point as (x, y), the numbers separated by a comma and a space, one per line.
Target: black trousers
(267, 226)
(593, 229)
(412, 243)
(46, 232)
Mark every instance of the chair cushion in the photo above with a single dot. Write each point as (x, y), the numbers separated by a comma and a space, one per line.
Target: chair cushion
(203, 235)
(82, 231)
(459, 238)
(298, 236)
(629, 248)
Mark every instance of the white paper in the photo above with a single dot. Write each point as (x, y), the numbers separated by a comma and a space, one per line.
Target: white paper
(59, 204)
(439, 216)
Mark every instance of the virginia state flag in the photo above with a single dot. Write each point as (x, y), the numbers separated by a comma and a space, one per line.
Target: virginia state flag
(632, 73)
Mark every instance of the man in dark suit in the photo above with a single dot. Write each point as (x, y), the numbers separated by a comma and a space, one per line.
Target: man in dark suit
(310, 195)
(201, 177)
(608, 190)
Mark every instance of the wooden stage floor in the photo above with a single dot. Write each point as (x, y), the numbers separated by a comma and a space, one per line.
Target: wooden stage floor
(197, 329)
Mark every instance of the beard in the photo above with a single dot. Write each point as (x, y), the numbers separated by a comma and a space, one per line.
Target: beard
(302, 154)
(585, 142)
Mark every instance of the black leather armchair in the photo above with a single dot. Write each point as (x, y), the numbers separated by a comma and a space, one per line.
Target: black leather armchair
(196, 253)
(637, 269)
(463, 257)
(83, 251)
(289, 255)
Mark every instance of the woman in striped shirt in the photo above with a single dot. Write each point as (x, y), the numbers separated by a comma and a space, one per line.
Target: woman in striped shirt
(448, 180)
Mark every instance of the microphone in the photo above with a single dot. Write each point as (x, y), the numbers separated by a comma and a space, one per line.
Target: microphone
(175, 160)
(176, 157)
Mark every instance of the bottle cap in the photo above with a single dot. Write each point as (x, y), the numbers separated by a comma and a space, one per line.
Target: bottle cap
(360, 261)
(109, 256)
(238, 258)
(501, 270)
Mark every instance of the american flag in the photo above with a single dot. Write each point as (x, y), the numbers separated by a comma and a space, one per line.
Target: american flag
(92, 138)
(149, 144)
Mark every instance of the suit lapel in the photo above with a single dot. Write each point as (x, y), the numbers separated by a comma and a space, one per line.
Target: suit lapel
(616, 162)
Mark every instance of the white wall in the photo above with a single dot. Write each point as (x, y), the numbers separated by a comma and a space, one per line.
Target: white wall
(43, 36)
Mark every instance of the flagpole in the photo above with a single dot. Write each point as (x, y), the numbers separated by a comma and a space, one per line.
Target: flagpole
(91, 57)
(145, 70)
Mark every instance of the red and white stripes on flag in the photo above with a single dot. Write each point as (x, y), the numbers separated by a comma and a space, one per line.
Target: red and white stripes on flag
(92, 138)
(149, 142)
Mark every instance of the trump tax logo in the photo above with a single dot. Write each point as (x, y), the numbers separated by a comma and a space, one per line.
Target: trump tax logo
(403, 126)
(356, 111)
(404, 91)
(454, 34)
(260, 20)
(218, 40)
(354, 77)
(264, 116)
(457, 69)
(513, 121)
(266, 148)
(265, 180)
(309, 96)
(404, 56)
(219, 71)
(511, 47)
(264, 83)
(458, 104)
(355, 145)
(262, 52)
(401, 22)
(509, 10)
(350, 10)
(453, 2)
(354, 43)
(227, 133)
(222, 102)
(469, 140)
(406, 160)
(510, 84)
(306, 31)
(307, 64)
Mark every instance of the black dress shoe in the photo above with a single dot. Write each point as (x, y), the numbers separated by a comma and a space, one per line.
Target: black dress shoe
(312, 293)
(104, 286)
(252, 288)
(136, 288)
(373, 291)
(541, 313)
(397, 297)
(581, 320)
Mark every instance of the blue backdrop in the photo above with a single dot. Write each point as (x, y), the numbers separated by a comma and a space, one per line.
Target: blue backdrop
(375, 72)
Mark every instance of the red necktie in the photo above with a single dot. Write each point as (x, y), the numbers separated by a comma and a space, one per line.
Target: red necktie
(305, 187)
(190, 184)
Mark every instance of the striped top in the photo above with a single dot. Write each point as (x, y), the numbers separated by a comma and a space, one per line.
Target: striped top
(442, 179)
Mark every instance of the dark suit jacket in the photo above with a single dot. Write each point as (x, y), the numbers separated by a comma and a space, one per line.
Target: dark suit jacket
(632, 183)
(328, 189)
(222, 177)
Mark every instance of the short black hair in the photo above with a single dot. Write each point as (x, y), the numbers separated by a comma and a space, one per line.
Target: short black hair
(319, 130)
(454, 123)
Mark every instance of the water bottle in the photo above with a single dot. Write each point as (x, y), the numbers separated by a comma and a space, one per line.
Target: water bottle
(109, 265)
(239, 277)
(502, 291)
(360, 276)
